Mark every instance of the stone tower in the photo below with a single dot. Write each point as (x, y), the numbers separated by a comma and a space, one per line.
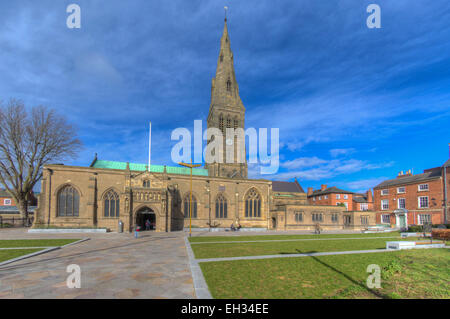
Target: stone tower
(226, 111)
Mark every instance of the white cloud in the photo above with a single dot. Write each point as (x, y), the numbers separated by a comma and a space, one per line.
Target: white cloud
(364, 184)
(341, 151)
(314, 168)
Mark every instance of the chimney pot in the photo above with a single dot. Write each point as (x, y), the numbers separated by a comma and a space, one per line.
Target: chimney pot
(323, 187)
(310, 190)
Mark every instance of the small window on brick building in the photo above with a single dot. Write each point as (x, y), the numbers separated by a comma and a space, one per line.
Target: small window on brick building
(423, 202)
(423, 187)
(401, 203)
(385, 204)
(384, 192)
(424, 219)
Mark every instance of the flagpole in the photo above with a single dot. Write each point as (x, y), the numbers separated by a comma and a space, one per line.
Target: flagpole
(149, 146)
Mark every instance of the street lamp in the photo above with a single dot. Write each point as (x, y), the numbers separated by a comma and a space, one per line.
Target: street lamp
(190, 194)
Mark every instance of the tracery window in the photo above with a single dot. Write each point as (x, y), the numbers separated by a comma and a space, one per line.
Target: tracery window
(252, 204)
(111, 204)
(221, 207)
(186, 206)
(68, 202)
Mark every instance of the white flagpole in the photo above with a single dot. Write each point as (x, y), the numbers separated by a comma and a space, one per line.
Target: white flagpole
(149, 145)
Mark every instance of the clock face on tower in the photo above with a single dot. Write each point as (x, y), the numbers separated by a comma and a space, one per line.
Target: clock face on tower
(229, 141)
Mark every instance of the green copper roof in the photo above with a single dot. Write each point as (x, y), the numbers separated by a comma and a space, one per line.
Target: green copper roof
(153, 168)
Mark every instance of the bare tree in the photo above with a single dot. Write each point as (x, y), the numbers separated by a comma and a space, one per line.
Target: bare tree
(28, 141)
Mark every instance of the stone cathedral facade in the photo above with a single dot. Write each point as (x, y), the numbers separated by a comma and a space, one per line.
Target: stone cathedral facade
(108, 192)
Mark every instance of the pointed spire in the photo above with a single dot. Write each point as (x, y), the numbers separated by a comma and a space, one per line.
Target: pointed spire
(225, 89)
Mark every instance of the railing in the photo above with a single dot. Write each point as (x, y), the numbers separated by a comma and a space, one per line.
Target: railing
(15, 222)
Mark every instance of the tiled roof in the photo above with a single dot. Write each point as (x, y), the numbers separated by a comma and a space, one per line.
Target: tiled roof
(330, 190)
(446, 164)
(289, 187)
(430, 175)
(153, 168)
(360, 199)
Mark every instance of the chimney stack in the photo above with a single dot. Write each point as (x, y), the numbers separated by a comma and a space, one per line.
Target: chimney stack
(369, 196)
(310, 191)
(323, 187)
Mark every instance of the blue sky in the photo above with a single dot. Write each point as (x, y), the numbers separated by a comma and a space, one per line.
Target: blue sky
(354, 105)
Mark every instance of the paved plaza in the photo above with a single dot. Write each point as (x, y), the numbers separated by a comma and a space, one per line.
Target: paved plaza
(112, 266)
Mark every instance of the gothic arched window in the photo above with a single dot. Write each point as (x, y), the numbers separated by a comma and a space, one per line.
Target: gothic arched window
(146, 183)
(221, 123)
(68, 202)
(186, 206)
(221, 207)
(229, 85)
(111, 204)
(236, 123)
(228, 122)
(252, 204)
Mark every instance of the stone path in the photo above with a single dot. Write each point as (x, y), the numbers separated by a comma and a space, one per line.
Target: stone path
(280, 240)
(347, 252)
(112, 266)
(297, 255)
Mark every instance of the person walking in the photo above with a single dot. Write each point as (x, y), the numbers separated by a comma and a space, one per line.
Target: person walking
(147, 224)
(136, 231)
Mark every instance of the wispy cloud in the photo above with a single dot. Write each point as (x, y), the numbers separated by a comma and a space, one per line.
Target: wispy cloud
(341, 151)
(364, 184)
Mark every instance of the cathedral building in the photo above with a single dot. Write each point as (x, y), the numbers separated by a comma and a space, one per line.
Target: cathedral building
(108, 193)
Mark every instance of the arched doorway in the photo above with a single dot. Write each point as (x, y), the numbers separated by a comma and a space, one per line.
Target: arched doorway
(144, 214)
(274, 223)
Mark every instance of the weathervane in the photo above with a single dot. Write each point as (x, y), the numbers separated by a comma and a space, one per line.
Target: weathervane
(226, 9)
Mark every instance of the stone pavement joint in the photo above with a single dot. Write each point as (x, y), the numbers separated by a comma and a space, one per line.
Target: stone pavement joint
(40, 252)
(200, 286)
(348, 252)
(282, 240)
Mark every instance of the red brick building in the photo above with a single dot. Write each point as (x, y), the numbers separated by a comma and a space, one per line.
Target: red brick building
(8, 205)
(363, 202)
(334, 196)
(414, 199)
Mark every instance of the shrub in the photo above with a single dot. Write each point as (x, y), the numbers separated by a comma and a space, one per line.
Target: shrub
(390, 269)
(415, 229)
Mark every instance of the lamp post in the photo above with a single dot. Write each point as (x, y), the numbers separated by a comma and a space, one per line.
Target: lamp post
(190, 194)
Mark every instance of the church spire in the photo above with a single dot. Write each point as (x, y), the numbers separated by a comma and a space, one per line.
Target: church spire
(226, 111)
(225, 90)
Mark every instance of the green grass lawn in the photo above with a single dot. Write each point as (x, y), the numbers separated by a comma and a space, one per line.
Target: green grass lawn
(288, 247)
(14, 253)
(13, 243)
(405, 274)
(282, 237)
